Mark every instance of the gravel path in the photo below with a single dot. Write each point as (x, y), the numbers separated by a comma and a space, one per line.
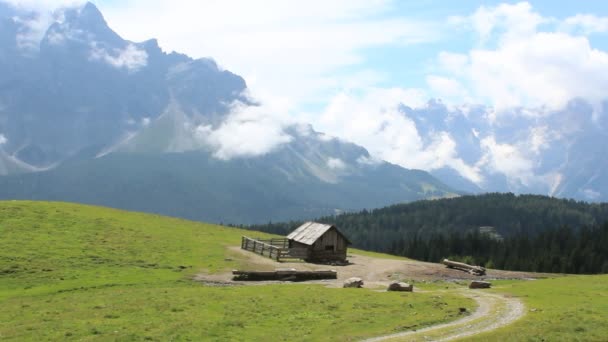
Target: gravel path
(494, 311)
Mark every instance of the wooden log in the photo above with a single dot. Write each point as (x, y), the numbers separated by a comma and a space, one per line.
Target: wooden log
(475, 270)
(284, 275)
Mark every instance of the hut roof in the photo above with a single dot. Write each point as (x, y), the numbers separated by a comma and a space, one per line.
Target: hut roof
(309, 232)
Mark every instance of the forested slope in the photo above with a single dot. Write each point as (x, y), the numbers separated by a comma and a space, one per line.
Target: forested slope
(525, 232)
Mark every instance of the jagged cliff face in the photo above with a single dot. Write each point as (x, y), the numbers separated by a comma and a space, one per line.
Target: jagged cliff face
(86, 88)
(562, 153)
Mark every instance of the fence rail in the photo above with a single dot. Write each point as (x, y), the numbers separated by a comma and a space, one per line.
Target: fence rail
(263, 247)
(277, 249)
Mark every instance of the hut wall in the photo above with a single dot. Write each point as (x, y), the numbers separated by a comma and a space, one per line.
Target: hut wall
(330, 246)
(297, 249)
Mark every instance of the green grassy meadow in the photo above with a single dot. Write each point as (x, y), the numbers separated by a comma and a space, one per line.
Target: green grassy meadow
(75, 272)
(573, 308)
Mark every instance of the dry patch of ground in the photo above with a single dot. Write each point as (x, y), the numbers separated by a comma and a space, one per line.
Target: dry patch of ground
(374, 271)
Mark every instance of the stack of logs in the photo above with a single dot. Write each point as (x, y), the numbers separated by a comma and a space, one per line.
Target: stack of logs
(474, 270)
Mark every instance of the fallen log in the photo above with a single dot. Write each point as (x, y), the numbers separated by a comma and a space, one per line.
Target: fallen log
(283, 275)
(474, 270)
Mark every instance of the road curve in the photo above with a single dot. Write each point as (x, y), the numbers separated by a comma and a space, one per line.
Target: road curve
(494, 311)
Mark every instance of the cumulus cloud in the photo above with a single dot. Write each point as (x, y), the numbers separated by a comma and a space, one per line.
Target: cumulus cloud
(247, 132)
(447, 88)
(375, 121)
(519, 65)
(585, 24)
(3, 139)
(131, 57)
(293, 49)
(507, 159)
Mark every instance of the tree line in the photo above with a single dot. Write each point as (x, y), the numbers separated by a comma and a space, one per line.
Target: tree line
(497, 230)
(561, 250)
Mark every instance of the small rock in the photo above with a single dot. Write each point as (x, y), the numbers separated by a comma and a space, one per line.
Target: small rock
(399, 286)
(462, 310)
(353, 282)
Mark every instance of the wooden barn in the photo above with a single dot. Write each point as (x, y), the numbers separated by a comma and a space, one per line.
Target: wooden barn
(314, 241)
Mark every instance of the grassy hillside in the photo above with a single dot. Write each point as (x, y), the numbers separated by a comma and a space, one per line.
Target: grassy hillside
(87, 273)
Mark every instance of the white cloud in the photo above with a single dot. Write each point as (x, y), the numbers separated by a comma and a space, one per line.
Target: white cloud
(290, 48)
(374, 121)
(509, 160)
(336, 164)
(454, 63)
(585, 24)
(247, 132)
(513, 20)
(130, 58)
(3, 139)
(447, 88)
(519, 65)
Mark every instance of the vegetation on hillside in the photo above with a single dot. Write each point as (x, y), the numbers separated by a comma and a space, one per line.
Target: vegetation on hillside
(562, 250)
(74, 272)
(197, 186)
(527, 232)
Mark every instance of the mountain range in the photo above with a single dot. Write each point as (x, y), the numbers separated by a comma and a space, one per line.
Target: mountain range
(557, 153)
(87, 116)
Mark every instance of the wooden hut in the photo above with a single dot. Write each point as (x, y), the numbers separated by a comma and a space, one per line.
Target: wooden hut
(318, 242)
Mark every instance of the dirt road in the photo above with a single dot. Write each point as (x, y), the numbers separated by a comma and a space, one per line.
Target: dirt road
(494, 311)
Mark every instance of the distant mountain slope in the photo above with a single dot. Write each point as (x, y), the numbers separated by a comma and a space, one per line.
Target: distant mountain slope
(557, 153)
(193, 185)
(507, 214)
(83, 86)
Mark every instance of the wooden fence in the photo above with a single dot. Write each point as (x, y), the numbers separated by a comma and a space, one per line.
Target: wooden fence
(277, 248)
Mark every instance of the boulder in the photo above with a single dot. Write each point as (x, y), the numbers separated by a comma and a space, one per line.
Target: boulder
(477, 284)
(399, 286)
(353, 282)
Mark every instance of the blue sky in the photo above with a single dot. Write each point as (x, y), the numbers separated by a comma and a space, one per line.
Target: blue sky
(279, 48)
